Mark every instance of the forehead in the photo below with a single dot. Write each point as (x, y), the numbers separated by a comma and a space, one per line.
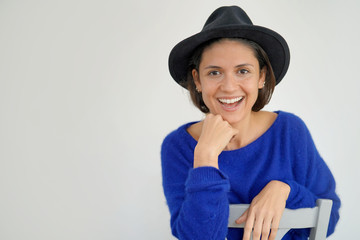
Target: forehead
(227, 51)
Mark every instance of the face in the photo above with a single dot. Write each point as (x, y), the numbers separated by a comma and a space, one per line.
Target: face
(229, 78)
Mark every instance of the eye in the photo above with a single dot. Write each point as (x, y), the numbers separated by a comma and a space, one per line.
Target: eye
(214, 73)
(243, 71)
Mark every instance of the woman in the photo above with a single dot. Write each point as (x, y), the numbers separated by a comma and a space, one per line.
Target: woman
(238, 153)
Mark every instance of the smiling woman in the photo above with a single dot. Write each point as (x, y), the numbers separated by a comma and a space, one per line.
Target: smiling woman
(229, 71)
(264, 92)
(238, 153)
(229, 79)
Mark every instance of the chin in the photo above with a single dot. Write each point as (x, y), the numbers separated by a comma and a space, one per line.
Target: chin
(232, 121)
(232, 118)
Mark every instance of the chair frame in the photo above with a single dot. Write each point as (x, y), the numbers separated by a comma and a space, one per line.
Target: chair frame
(316, 218)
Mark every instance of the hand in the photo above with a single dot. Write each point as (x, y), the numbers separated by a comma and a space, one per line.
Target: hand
(215, 135)
(265, 211)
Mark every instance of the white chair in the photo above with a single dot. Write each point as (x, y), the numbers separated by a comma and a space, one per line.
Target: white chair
(316, 218)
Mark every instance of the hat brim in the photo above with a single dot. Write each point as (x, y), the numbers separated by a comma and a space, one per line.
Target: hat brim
(273, 44)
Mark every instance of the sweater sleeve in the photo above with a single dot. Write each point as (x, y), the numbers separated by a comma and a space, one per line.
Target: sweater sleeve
(313, 178)
(197, 198)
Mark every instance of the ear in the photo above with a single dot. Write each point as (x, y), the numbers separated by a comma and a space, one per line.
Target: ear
(262, 78)
(196, 78)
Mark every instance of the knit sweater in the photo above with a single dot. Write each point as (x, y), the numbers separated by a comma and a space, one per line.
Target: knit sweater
(199, 198)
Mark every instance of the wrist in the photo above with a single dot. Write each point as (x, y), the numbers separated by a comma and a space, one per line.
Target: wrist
(284, 187)
(203, 157)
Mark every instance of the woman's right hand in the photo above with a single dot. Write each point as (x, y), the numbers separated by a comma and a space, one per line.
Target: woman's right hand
(215, 135)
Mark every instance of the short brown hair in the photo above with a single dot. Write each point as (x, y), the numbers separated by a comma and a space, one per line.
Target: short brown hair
(264, 94)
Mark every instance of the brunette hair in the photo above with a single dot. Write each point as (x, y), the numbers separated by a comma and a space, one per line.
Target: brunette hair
(264, 94)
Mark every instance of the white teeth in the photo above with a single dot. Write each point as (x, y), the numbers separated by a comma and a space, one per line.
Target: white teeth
(229, 101)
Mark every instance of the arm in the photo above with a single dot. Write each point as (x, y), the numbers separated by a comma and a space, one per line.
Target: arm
(265, 212)
(195, 189)
(308, 179)
(320, 184)
(197, 198)
(313, 178)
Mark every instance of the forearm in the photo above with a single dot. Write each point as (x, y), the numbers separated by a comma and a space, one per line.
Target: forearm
(301, 197)
(204, 157)
(203, 213)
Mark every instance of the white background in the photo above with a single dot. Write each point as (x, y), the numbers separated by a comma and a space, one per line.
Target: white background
(86, 100)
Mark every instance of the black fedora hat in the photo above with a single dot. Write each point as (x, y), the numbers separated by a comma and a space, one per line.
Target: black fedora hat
(231, 22)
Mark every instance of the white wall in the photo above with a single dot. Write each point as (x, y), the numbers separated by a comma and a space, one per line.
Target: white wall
(86, 99)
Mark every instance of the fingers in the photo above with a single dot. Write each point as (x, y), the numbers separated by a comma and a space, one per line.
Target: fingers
(214, 137)
(216, 133)
(242, 218)
(259, 229)
(258, 225)
(273, 233)
(248, 227)
(266, 229)
(217, 120)
(274, 228)
(266, 210)
(262, 227)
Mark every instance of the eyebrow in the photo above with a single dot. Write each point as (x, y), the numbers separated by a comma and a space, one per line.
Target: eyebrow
(237, 66)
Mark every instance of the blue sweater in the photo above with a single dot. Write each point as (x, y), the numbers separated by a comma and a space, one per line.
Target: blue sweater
(199, 198)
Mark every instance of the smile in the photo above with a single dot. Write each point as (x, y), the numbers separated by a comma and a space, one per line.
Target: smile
(230, 104)
(230, 101)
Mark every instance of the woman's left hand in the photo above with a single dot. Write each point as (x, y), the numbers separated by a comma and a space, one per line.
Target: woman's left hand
(265, 211)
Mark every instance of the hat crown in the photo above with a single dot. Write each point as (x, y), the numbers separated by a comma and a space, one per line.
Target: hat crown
(230, 22)
(225, 16)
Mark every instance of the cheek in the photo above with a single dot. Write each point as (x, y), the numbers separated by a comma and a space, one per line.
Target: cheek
(208, 95)
(208, 87)
(250, 87)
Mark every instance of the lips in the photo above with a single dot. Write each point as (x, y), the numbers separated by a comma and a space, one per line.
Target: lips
(230, 104)
(230, 100)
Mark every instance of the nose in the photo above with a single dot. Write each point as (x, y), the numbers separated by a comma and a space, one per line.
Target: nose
(229, 83)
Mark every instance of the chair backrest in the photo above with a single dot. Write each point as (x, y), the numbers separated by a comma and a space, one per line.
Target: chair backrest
(316, 218)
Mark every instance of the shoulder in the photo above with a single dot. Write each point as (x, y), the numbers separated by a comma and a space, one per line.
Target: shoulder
(293, 129)
(290, 128)
(177, 137)
(289, 116)
(290, 120)
(195, 130)
(177, 150)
